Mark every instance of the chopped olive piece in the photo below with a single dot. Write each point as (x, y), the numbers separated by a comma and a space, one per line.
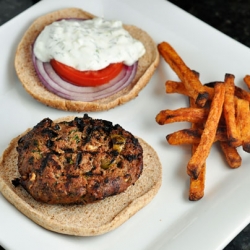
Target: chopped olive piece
(118, 142)
(105, 164)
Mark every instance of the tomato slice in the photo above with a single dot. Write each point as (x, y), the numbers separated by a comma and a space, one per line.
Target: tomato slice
(86, 78)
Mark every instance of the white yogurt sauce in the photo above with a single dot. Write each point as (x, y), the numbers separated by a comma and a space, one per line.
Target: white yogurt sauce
(87, 44)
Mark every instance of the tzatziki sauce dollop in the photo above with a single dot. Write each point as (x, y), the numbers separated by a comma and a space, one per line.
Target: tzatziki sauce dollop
(90, 44)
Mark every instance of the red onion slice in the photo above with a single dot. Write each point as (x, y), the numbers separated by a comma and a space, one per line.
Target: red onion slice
(62, 88)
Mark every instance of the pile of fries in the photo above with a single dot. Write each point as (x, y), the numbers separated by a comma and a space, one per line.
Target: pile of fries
(218, 112)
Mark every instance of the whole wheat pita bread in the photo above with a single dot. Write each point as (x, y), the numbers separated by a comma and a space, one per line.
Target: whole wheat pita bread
(82, 220)
(31, 83)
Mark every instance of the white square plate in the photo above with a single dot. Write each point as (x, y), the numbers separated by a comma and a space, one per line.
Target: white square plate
(170, 221)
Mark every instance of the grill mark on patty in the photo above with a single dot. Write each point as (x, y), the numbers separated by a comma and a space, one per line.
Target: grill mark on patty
(89, 132)
(130, 158)
(51, 133)
(44, 163)
(78, 159)
(79, 123)
(58, 161)
(49, 143)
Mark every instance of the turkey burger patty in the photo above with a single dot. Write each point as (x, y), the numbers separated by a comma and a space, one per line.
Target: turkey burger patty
(79, 161)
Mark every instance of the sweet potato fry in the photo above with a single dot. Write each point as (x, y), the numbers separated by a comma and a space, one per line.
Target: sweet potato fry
(185, 74)
(179, 87)
(247, 80)
(238, 92)
(207, 138)
(184, 136)
(193, 136)
(229, 112)
(176, 87)
(182, 115)
(243, 123)
(241, 93)
(196, 186)
(231, 154)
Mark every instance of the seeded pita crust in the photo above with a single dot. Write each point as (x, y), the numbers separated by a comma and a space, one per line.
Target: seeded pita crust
(82, 220)
(31, 83)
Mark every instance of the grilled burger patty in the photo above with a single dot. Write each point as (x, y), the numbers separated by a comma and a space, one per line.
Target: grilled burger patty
(79, 161)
